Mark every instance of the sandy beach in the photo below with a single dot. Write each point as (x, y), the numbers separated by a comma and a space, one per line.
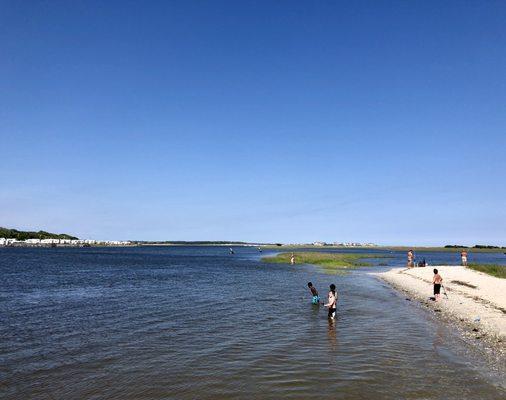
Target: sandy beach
(476, 301)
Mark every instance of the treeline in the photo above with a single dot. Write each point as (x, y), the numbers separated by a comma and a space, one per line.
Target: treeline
(476, 246)
(23, 235)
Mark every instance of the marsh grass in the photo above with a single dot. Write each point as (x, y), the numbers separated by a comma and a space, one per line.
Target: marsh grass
(498, 271)
(329, 262)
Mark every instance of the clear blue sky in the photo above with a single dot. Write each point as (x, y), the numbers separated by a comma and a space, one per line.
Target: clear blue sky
(381, 121)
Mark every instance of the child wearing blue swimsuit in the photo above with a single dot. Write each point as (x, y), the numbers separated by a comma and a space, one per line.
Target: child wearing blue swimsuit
(315, 299)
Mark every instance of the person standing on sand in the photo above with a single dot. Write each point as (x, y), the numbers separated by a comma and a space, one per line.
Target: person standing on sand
(292, 259)
(437, 281)
(332, 301)
(316, 298)
(463, 256)
(411, 257)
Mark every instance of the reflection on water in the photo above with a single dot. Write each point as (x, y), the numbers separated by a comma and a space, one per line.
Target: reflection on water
(196, 322)
(332, 334)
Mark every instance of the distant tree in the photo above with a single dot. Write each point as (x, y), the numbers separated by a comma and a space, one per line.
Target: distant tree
(23, 235)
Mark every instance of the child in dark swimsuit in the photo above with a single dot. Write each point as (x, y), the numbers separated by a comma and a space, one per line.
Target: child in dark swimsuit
(437, 280)
(332, 302)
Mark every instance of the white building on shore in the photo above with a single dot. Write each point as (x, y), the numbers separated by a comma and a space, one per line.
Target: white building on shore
(62, 242)
(50, 241)
(355, 244)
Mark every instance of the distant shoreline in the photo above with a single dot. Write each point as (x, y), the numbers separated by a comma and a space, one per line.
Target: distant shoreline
(62, 245)
(268, 246)
(419, 249)
(200, 244)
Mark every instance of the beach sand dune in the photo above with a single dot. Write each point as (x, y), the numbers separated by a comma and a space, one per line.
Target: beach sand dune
(474, 298)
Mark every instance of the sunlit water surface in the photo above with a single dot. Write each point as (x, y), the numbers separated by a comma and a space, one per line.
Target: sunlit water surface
(198, 323)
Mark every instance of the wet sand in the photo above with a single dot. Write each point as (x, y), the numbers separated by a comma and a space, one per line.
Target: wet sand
(476, 301)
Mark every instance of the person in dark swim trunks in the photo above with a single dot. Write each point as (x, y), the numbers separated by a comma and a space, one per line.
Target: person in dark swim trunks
(316, 298)
(437, 280)
(332, 300)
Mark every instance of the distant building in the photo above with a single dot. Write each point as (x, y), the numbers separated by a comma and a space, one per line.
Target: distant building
(50, 241)
(355, 244)
(67, 242)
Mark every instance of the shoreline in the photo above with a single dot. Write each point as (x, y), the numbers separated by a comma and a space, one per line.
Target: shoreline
(54, 246)
(416, 249)
(476, 302)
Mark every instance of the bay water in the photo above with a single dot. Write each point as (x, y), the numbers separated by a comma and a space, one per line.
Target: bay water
(199, 323)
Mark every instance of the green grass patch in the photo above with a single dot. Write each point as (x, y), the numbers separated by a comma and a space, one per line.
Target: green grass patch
(329, 262)
(498, 271)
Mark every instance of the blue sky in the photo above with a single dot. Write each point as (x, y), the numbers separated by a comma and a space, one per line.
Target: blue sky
(380, 121)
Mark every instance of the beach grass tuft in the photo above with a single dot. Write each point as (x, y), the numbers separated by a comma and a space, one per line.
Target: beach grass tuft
(499, 271)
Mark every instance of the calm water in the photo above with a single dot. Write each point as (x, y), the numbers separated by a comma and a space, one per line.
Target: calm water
(197, 323)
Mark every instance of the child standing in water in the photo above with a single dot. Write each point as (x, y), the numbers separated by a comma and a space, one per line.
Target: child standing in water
(314, 292)
(332, 300)
(437, 280)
